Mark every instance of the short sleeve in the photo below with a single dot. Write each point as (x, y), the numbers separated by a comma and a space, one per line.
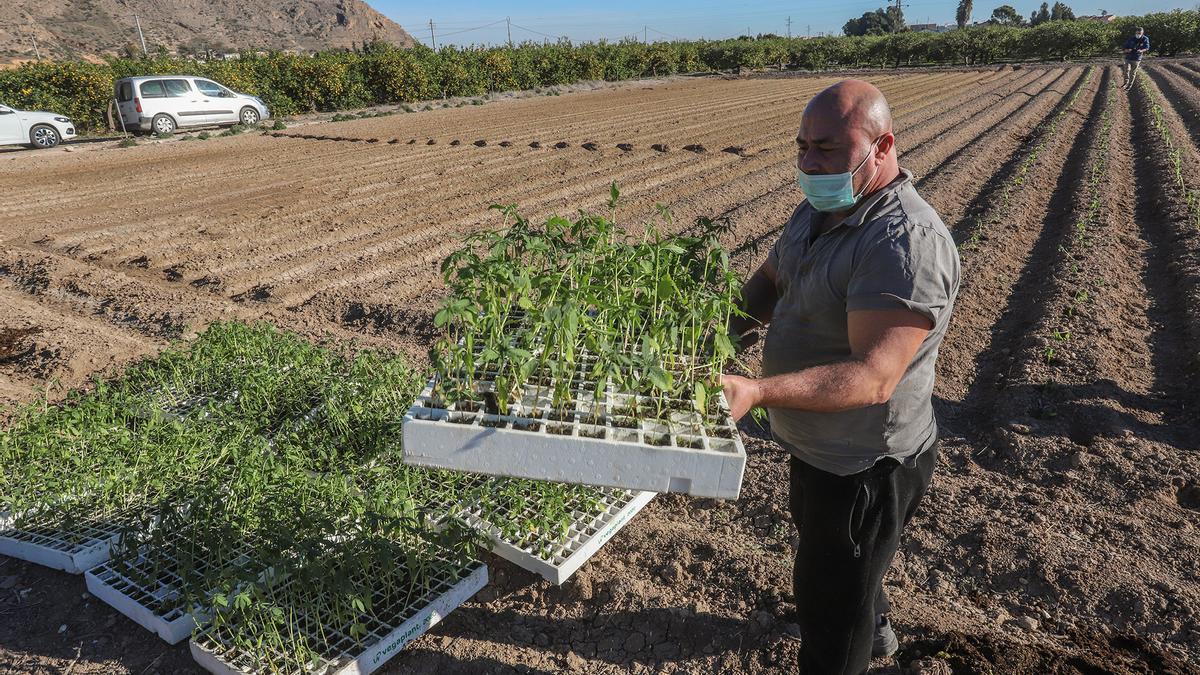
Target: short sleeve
(773, 254)
(906, 266)
(787, 235)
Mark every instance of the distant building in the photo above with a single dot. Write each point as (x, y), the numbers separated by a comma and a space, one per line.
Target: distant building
(931, 27)
(1105, 17)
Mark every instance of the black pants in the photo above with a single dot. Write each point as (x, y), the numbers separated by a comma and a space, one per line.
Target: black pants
(849, 531)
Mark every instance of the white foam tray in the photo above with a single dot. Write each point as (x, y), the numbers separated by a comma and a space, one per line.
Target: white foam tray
(133, 598)
(587, 535)
(621, 457)
(391, 637)
(53, 548)
(104, 582)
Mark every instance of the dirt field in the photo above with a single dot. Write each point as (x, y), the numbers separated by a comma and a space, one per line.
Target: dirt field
(1062, 529)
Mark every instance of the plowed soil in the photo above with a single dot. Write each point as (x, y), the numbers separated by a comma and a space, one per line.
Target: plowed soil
(1062, 531)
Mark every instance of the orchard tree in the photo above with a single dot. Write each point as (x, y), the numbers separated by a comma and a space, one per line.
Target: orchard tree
(963, 15)
(1006, 15)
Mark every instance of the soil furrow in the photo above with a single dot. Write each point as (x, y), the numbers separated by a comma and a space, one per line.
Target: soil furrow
(998, 271)
(376, 274)
(500, 159)
(974, 160)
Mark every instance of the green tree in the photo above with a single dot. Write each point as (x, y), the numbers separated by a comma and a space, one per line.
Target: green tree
(1006, 15)
(963, 15)
(879, 22)
(1061, 12)
(1042, 15)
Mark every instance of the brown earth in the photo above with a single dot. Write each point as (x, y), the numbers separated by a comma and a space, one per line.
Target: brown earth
(1060, 534)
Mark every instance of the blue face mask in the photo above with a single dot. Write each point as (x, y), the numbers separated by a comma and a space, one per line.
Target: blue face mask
(833, 191)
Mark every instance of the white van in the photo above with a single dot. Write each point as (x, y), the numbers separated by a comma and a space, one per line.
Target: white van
(164, 103)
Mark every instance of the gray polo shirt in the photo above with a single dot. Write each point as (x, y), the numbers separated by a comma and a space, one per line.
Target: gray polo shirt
(892, 252)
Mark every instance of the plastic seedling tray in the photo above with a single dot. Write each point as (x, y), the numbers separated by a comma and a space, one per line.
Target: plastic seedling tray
(557, 558)
(147, 591)
(587, 442)
(393, 628)
(74, 548)
(153, 605)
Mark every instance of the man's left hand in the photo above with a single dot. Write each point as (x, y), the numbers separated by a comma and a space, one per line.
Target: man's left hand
(742, 394)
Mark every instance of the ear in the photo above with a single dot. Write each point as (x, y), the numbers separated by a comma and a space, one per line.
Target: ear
(886, 143)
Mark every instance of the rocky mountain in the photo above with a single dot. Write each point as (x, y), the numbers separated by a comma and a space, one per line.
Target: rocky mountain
(92, 28)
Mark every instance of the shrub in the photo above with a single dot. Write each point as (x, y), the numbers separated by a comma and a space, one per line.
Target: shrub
(337, 80)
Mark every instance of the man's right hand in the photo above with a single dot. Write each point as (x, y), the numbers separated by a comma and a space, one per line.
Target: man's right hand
(741, 393)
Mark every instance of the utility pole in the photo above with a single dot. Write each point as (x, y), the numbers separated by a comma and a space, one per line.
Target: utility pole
(645, 36)
(33, 36)
(432, 37)
(789, 28)
(141, 37)
(508, 23)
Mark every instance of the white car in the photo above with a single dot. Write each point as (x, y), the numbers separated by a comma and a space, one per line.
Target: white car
(164, 103)
(35, 129)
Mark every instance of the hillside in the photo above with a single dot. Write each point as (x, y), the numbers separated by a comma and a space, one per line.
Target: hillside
(92, 28)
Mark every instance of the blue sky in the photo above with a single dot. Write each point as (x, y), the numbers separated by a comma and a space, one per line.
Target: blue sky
(460, 22)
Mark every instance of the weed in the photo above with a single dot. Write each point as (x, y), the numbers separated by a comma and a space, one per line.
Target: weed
(279, 125)
(127, 143)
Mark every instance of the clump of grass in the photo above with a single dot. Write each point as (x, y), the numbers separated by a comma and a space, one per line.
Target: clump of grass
(279, 125)
(203, 136)
(127, 143)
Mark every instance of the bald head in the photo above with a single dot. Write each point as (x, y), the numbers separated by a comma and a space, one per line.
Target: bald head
(848, 127)
(855, 104)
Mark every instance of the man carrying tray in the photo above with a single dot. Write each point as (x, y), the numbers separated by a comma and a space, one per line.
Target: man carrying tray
(857, 292)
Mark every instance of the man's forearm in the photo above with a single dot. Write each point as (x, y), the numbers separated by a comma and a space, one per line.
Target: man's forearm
(834, 387)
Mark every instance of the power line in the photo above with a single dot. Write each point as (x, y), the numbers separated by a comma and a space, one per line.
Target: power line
(468, 30)
(673, 37)
(538, 32)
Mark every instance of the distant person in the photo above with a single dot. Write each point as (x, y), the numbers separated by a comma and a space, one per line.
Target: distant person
(1136, 45)
(857, 292)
